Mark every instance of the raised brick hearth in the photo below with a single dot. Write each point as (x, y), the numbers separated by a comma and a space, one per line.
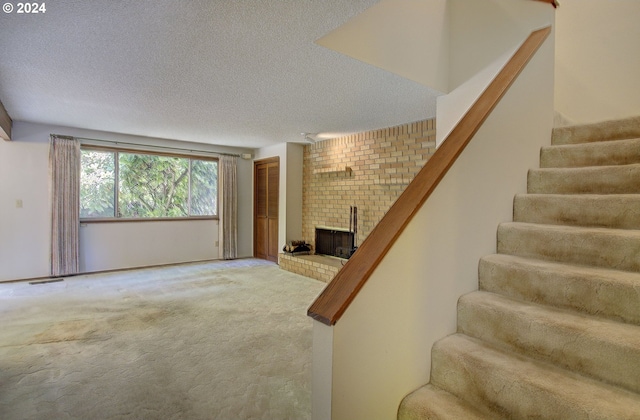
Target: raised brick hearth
(317, 267)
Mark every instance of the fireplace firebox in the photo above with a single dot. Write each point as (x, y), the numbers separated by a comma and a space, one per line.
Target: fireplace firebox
(334, 242)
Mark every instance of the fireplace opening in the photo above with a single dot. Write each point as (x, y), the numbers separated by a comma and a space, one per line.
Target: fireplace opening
(334, 242)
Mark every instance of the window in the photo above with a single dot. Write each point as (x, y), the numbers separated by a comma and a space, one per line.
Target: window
(133, 185)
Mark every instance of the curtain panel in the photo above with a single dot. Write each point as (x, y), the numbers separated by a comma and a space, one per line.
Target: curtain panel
(64, 169)
(229, 206)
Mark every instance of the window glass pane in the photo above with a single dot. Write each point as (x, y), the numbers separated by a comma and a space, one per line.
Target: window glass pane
(153, 186)
(97, 184)
(204, 188)
(149, 186)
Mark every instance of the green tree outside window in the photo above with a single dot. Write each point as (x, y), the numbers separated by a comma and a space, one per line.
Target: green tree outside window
(149, 186)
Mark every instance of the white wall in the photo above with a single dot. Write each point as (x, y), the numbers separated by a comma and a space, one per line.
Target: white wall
(597, 59)
(452, 107)
(484, 34)
(294, 191)
(245, 207)
(482, 31)
(382, 344)
(25, 232)
(106, 246)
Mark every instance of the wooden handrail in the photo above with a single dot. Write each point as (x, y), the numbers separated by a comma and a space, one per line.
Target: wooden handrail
(337, 296)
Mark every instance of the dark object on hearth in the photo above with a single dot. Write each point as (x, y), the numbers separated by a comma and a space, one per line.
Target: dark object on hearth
(301, 248)
(297, 248)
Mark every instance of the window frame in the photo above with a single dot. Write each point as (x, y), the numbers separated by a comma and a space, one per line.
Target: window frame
(115, 218)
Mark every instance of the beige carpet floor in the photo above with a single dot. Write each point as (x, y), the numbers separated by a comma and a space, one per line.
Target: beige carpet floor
(218, 340)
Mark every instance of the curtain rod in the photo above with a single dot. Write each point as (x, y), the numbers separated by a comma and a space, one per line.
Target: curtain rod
(150, 145)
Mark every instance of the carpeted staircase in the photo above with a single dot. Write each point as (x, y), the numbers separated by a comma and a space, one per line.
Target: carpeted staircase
(554, 331)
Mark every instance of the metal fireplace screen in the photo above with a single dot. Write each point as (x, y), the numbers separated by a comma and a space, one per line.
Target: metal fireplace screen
(337, 243)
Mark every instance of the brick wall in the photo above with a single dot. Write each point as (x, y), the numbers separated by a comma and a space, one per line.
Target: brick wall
(368, 170)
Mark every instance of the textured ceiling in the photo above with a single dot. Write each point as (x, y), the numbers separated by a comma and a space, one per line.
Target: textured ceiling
(238, 73)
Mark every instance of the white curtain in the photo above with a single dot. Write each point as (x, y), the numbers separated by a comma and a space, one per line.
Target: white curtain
(229, 206)
(64, 169)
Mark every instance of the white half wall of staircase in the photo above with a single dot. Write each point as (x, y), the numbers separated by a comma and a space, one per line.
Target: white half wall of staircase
(381, 345)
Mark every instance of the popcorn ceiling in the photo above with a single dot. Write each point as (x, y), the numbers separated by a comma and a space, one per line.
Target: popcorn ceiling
(236, 73)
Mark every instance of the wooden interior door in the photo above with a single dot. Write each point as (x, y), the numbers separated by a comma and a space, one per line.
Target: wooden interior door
(265, 235)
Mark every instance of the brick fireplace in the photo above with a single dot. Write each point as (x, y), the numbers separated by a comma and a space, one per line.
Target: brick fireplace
(367, 170)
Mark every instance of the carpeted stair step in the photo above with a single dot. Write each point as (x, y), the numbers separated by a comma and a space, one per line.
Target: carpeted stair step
(554, 331)
(618, 211)
(603, 349)
(621, 179)
(626, 128)
(604, 153)
(608, 248)
(607, 293)
(432, 403)
(506, 385)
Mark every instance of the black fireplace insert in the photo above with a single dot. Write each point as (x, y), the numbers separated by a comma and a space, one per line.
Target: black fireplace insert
(334, 242)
